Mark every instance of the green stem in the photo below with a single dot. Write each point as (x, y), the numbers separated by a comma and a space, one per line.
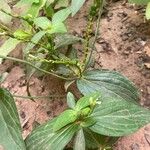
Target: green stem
(10, 34)
(39, 69)
(39, 44)
(97, 31)
(88, 54)
(87, 40)
(65, 62)
(39, 97)
(15, 16)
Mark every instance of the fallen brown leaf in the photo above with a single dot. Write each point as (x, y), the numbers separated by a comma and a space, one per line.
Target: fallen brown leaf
(147, 65)
(147, 50)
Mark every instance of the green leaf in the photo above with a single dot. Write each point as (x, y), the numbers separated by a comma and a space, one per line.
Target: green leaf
(79, 140)
(118, 117)
(49, 2)
(43, 137)
(10, 128)
(35, 8)
(57, 28)
(148, 11)
(23, 2)
(87, 100)
(43, 22)
(95, 141)
(30, 8)
(84, 112)
(87, 122)
(62, 40)
(21, 34)
(61, 16)
(8, 46)
(92, 139)
(49, 11)
(139, 2)
(62, 3)
(6, 19)
(63, 70)
(108, 83)
(76, 5)
(36, 38)
(71, 100)
(65, 118)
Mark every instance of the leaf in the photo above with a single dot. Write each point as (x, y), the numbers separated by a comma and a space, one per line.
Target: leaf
(62, 3)
(43, 137)
(30, 8)
(63, 70)
(49, 11)
(71, 100)
(57, 28)
(42, 22)
(61, 16)
(95, 141)
(8, 46)
(10, 128)
(79, 140)
(139, 2)
(6, 19)
(148, 11)
(76, 5)
(49, 2)
(65, 118)
(108, 83)
(118, 117)
(92, 139)
(21, 35)
(87, 100)
(23, 2)
(72, 54)
(36, 38)
(87, 122)
(35, 8)
(62, 40)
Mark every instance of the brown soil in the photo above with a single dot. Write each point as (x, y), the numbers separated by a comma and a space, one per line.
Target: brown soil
(123, 45)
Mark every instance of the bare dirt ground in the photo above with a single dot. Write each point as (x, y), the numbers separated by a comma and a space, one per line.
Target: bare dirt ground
(123, 45)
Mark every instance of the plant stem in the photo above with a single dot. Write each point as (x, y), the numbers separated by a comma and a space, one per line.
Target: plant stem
(9, 34)
(39, 97)
(41, 45)
(39, 69)
(19, 17)
(87, 40)
(89, 55)
(67, 62)
(97, 24)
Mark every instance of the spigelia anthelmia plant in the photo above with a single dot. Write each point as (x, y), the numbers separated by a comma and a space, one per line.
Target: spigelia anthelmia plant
(108, 107)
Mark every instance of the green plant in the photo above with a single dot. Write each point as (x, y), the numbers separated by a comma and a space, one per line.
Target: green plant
(48, 47)
(109, 106)
(143, 2)
(86, 122)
